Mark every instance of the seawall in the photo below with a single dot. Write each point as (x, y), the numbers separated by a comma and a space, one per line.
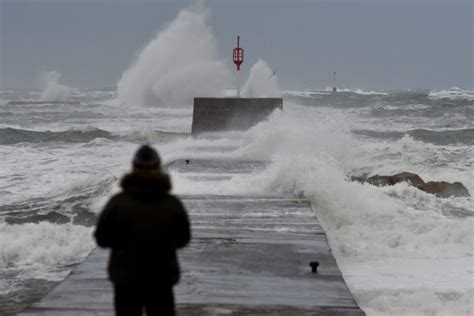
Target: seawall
(222, 114)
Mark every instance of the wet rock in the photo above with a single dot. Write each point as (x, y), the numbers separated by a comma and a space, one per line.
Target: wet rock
(411, 178)
(380, 181)
(439, 188)
(445, 189)
(361, 179)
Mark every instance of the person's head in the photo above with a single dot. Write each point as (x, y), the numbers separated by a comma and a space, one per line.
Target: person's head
(146, 159)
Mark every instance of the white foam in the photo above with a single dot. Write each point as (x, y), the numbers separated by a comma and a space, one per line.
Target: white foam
(412, 286)
(416, 302)
(304, 93)
(41, 251)
(358, 91)
(446, 274)
(404, 107)
(43, 244)
(181, 62)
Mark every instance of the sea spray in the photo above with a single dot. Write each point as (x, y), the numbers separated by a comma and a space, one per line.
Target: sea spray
(55, 91)
(262, 82)
(180, 63)
(313, 153)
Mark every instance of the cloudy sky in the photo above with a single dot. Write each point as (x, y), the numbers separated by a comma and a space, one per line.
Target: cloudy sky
(385, 44)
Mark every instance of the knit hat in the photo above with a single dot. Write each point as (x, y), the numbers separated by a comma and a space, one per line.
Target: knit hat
(146, 158)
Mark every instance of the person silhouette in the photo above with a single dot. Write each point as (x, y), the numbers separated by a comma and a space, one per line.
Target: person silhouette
(144, 225)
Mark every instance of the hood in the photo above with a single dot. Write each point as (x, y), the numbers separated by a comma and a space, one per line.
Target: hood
(146, 184)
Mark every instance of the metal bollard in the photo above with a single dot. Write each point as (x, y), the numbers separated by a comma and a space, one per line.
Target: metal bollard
(314, 266)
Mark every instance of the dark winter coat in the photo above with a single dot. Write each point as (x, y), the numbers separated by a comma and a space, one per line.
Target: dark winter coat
(144, 225)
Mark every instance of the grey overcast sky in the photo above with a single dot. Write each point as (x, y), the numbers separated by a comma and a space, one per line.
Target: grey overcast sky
(385, 44)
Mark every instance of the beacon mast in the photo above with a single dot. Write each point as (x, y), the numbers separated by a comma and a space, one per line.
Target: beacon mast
(238, 57)
(334, 88)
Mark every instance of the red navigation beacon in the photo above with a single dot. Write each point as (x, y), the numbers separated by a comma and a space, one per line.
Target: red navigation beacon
(238, 54)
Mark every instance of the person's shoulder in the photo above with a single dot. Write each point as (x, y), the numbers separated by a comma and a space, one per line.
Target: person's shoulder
(175, 200)
(117, 197)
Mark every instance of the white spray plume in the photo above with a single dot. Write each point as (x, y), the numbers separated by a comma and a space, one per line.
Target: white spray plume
(181, 62)
(262, 82)
(55, 91)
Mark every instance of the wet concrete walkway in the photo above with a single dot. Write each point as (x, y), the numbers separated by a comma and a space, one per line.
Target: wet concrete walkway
(248, 256)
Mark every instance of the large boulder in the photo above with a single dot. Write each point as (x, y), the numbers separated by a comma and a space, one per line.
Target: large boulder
(445, 189)
(440, 189)
(380, 181)
(413, 179)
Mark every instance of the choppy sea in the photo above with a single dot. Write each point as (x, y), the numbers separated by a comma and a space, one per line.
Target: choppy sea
(402, 251)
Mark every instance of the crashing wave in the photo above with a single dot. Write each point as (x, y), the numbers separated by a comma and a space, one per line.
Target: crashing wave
(181, 62)
(54, 91)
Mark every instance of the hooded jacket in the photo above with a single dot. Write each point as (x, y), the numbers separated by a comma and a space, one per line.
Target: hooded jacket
(144, 225)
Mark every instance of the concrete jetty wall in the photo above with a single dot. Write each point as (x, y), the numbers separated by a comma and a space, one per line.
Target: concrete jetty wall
(221, 114)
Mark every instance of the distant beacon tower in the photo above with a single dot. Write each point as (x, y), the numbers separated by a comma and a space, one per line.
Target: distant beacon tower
(212, 115)
(334, 88)
(238, 56)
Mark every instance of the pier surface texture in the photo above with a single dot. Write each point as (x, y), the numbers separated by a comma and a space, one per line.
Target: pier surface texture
(221, 114)
(248, 256)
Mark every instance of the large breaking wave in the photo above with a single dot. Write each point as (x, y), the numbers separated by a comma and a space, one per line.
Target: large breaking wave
(55, 91)
(181, 62)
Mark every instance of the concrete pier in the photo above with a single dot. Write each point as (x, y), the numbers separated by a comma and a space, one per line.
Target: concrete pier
(248, 256)
(223, 114)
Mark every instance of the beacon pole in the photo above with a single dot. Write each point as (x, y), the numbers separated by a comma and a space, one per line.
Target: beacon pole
(238, 83)
(238, 57)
